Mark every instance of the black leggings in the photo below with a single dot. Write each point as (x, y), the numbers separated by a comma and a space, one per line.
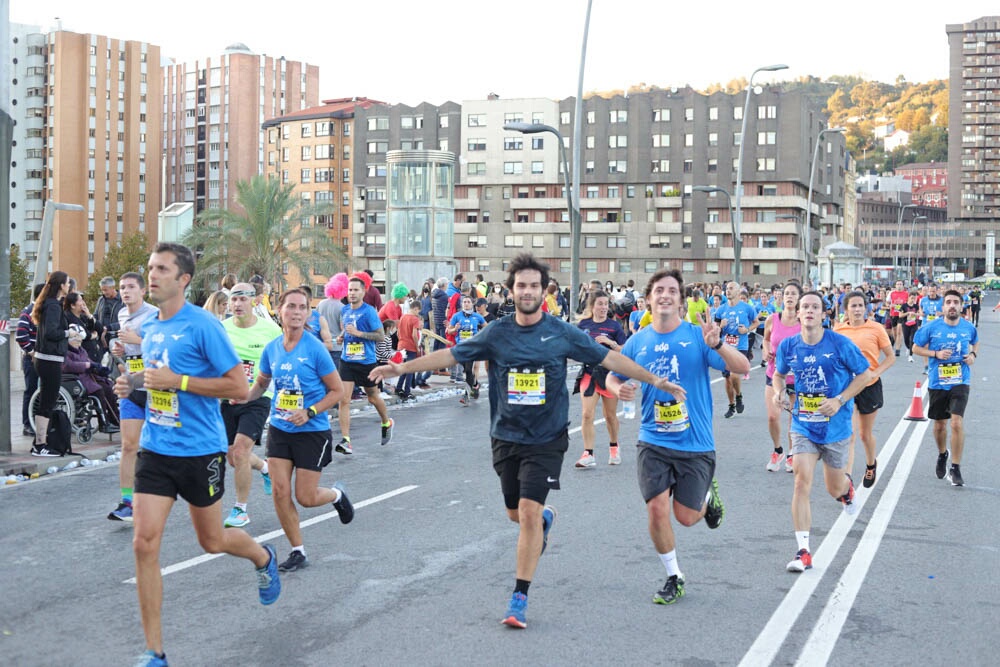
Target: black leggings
(49, 381)
(908, 333)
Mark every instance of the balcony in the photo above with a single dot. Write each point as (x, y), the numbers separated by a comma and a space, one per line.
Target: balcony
(669, 227)
(466, 227)
(667, 202)
(753, 228)
(359, 204)
(468, 203)
(548, 203)
(543, 228)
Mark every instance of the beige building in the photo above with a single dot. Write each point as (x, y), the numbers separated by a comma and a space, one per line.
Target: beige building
(95, 134)
(214, 110)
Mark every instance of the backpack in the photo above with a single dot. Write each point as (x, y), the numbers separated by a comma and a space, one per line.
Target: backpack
(59, 434)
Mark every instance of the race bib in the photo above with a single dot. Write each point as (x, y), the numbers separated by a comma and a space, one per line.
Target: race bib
(732, 340)
(931, 318)
(164, 408)
(671, 416)
(809, 408)
(134, 363)
(355, 351)
(248, 368)
(910, 317)
(526, 386)
(287, 402)
(949, 374)
(463, 335)
(882, 312)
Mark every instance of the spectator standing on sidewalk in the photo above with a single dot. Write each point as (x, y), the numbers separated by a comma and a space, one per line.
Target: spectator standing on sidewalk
(25, 336)
(50, 351)
(107, 308)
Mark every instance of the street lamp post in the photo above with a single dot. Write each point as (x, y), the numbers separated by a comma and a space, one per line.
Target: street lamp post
(574, 214)
(737, 241)
(899, 224)
(738, 222)
(45, 236)
(909, 246)
(809, 195)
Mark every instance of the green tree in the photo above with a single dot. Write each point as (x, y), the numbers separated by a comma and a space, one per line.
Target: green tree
(20, 281)
(131, 254)
(271, 233)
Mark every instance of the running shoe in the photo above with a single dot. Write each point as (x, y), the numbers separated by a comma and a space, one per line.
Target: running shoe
(739, 400)
(614, 458)
(41, 450)
(746, 376)
(345, 510)
(731, 411)
(237, 518)
(942, 465)
(803, 561)
(475, 392)
(774, 465)
(586, 461)
(672, 591)
(268, 581)
(715, 511)
(28, 431)
(870, 475)
(295, 561)
(515, 611)
(788, 464)
(548, 518)
(850, 509)
(955, 476)
(150, 659)
(267, 483)
(123, 512)
(387, 432)
(897, 353)
(910, 358)
(344, 446)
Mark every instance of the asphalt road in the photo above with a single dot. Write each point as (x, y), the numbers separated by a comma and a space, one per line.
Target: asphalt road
(424, 572)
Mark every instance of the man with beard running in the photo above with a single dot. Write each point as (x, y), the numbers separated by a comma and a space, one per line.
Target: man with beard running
(529, 407)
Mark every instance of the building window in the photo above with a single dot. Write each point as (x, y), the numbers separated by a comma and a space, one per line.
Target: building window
(593, 192)
(616, 242)
(537, 167)
(590, 141)
(564, 240)
(305, 176)
(766, 164)
(513, 117)
(661, 115)
(564, 117)
(659, 241)
(618, 116)
(307, 152)
(711, 267)
(589, 241)
(590, 266)
(514, 168)
(614, 191)
(513, 241)
(769, 242)
(472, 216)
(617, 141)
(766, 138)
(477, 120)
(711, 241)
(649, 266)
(689, 139)
(591, 118)
(617, 166)
(686, 242)
(765, 268)
(737, 113)
(537, 143)
(659, 166)
(713, 113)
(514, 143)
(769, 111)
(661, 141)
(476, 168)
(589, 167)
(378, 123)
(477, 144)
(537, 241)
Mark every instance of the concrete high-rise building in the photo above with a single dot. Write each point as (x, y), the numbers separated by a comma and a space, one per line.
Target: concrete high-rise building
(973, 139)
(314, 149)
(214, 111)
(91, 136)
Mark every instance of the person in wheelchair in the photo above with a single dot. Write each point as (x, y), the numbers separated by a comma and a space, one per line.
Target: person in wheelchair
(95, 379)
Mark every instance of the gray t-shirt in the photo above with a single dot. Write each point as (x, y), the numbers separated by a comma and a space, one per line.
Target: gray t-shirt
(329, 309)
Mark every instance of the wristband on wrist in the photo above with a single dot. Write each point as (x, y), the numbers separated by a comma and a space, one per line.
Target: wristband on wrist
(718, 346)
(184, 382)
(311, 411)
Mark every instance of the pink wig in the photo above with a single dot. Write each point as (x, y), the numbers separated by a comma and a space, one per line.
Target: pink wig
(336, 288)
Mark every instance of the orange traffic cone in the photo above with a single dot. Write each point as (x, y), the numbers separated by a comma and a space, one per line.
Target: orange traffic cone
(916, 413)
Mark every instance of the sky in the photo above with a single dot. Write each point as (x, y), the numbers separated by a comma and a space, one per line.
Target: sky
(412, 51)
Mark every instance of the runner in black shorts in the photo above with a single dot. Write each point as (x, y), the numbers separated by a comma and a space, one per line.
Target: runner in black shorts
(306, 385)
(529, 406)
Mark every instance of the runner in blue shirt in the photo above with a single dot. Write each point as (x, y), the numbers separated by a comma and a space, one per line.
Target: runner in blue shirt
(735, 319)
(952, 346)
(362, 329)
(529, 406)
(931, 307)
(465, 324)
(189, 366)
(829, 372)
(676, 450)
(306, 385)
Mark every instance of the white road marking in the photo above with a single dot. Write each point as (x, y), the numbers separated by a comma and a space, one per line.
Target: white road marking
(769, 641)
(823, 638)
(204, 558)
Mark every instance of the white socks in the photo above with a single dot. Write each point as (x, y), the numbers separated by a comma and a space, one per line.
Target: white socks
(802, 539)
(669, 561)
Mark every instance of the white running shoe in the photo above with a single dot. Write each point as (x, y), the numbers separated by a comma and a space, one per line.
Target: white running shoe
(586, 461)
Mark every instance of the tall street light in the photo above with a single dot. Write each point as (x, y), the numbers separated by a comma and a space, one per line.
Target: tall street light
(739, 158)
(899, 225)
(574, 213)
(909, 246)
(737, 241)
(45, 236)
(809, 196)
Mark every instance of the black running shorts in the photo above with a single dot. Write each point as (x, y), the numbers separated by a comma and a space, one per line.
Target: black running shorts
(200, 480)
(308, 450)
(869, 399)
(246, 418)
(947, 402)
(528, 471)
(689, 474)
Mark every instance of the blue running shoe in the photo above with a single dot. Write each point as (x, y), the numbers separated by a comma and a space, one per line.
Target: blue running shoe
(237, 518)
(267, 579)
(515, 611)
(123, 512)
(548, 518)
(267, 483)
(150, 659)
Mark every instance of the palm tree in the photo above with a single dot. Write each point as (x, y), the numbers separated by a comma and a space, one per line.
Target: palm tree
(271, 233)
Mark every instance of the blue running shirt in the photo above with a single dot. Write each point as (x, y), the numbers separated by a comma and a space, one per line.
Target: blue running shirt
(359, 350)
(821, 371)
(683, 357)
(468, 325)
(739, 315)
(298, 381)
(529, 401)
(180, 423)
(939, 335)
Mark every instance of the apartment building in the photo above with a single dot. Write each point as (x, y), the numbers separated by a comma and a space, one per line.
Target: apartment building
(314, 149)
(915, 241)
(929, 182)
(214, 111)
(91, 137)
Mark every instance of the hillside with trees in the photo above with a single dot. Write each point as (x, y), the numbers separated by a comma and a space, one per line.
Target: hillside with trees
(861, 106)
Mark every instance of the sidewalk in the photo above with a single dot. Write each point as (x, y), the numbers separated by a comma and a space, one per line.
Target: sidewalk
(21, 462)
